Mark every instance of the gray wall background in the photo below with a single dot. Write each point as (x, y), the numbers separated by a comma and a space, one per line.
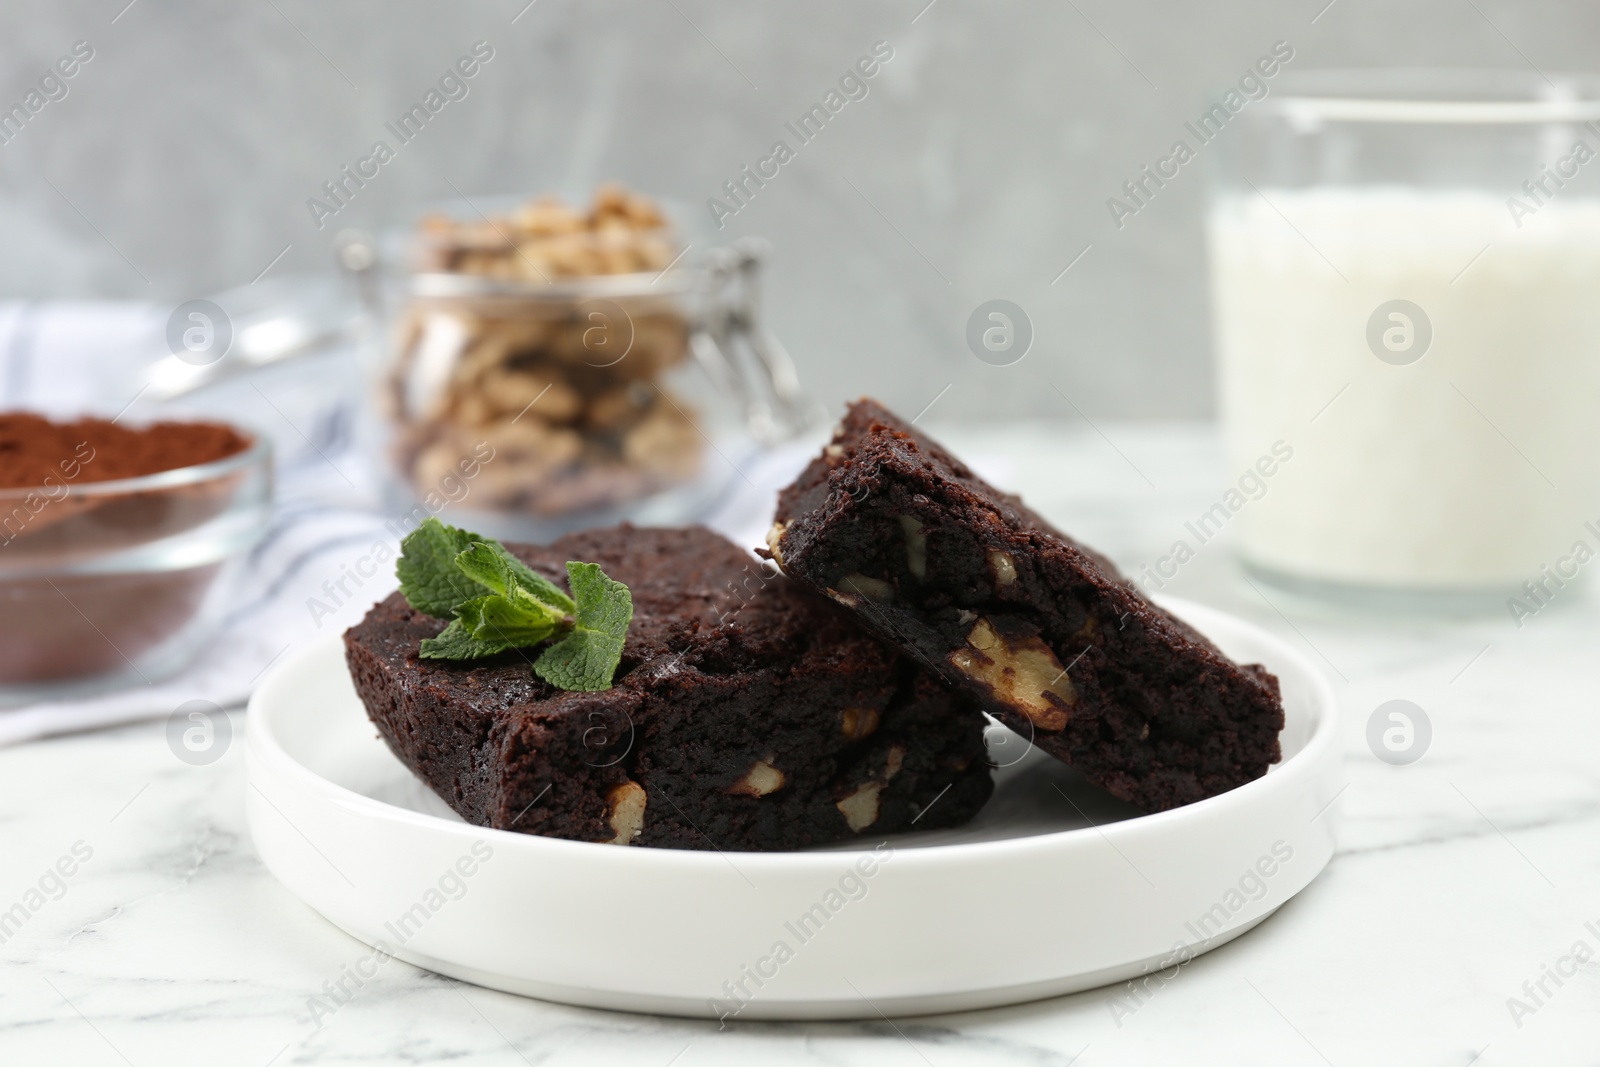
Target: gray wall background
(977, 167)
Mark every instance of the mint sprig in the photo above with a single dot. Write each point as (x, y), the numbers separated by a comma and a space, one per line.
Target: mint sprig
(496, 602)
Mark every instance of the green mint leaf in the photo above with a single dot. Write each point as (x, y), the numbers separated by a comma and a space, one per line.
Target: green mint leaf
(456, 642)
(513, 623)
(486, 625)
(489, 564)
(587, 657)
(429, 578)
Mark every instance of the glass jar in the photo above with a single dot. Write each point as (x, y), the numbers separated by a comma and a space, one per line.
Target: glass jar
(1402, 272)
(543, 370)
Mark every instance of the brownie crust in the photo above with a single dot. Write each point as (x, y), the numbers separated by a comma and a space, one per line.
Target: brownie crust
(1043, 632)
(747, 714)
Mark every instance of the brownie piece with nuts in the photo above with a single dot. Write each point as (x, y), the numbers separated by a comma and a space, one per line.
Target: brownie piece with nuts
(1041, 630)
(747, 714)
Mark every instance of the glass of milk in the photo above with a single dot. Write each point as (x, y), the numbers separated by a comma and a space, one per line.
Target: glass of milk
(1405, 272)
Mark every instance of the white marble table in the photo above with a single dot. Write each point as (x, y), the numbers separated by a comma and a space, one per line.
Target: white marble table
(1459, 878)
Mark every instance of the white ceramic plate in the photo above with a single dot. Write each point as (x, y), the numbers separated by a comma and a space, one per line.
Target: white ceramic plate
(1027, 901)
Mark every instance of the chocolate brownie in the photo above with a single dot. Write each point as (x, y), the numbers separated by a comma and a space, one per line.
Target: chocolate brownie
(1041, 630)
(747, 713)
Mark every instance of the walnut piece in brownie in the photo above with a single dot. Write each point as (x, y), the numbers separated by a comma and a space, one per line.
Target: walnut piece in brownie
(1041, 630)
(747, 714)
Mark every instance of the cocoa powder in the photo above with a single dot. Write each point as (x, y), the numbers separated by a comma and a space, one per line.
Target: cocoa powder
(58, 622)
(34, 448)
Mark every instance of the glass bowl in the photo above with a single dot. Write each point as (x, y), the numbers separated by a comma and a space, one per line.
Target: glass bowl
(114, 583)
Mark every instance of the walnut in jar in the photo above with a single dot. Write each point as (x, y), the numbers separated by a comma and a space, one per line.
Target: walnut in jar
(563, 381)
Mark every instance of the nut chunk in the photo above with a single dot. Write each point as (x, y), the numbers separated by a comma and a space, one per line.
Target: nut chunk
(1043, 632)
(739, 719)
